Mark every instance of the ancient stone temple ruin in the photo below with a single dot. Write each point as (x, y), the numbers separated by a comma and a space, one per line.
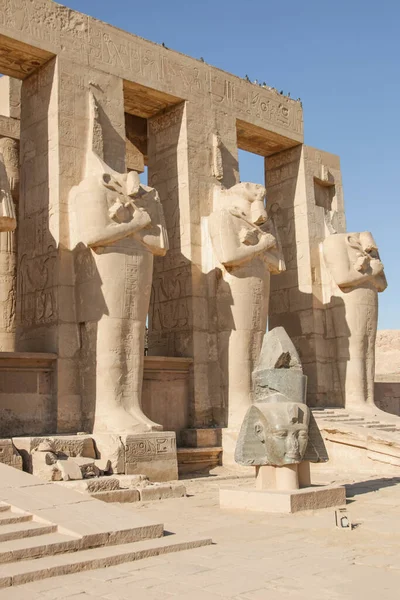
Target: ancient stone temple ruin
(92, 254)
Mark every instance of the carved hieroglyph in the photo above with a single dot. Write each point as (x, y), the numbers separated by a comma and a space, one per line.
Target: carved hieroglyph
(353, 262)
(122, 223)
(8, 191)
(246, 254)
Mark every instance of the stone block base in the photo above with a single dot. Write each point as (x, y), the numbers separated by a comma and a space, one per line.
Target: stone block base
(282, 501)
(162, 491)
(152, 453)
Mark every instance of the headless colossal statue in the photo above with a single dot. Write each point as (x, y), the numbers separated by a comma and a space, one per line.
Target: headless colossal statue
(247, 254)
(122, 223)
(357, 272)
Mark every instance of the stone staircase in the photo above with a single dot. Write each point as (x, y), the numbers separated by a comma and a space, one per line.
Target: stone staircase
(340, 415)
(375, 433)
(47, 531)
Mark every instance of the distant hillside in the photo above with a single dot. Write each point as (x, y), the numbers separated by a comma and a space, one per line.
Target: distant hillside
(387, 355)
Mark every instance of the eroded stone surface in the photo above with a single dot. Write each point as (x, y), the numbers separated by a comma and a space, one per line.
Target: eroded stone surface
(9, 454)
(110, 447)
(69, 470)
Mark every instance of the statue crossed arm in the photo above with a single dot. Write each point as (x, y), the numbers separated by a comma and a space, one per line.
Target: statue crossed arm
(121, 208)
(353, 259)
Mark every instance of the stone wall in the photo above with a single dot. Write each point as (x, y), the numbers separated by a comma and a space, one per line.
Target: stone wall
(387, 371)
(28, 403)
(387, 396)
(165, 394)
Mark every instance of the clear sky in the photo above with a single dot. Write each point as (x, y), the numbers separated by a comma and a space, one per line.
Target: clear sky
(341, 58)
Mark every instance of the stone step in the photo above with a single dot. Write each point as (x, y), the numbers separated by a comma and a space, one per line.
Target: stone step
(198, 460)
(353, 420)
(4, 506)
(46, 545)
(24, 530)
(383, 428)
(326, 415)
(9, 517)
(27, 571)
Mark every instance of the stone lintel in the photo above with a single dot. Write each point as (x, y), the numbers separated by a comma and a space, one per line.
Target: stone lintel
(32, 33)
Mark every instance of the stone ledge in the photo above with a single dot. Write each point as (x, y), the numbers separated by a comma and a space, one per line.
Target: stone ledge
(167, 363)
(27, 359)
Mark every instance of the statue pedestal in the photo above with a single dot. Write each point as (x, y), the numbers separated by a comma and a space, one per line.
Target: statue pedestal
(279, 490)
(152, 453)
(290, 477)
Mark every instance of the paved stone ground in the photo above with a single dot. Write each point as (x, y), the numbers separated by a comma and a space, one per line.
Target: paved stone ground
(255, 557)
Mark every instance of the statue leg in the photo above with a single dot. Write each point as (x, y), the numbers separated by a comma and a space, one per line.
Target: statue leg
(370, 353)
(250, 297)
(120, 346)
(362, 318)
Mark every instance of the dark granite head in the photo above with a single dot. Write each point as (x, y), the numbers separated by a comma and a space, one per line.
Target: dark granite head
(273, 434)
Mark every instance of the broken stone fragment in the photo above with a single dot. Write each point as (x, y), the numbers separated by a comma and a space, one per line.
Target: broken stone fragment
(90, 467)
(69, 470)
(44, 466)
(110, 446)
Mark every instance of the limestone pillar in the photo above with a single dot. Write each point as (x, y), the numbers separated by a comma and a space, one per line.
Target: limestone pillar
(305, 197)
(54, 121)
(9, 166)
(190, 148)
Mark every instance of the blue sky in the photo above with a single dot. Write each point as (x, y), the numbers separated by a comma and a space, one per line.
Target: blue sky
(341, 58)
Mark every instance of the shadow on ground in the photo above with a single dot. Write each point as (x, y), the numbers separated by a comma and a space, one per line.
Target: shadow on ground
(371, 485)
